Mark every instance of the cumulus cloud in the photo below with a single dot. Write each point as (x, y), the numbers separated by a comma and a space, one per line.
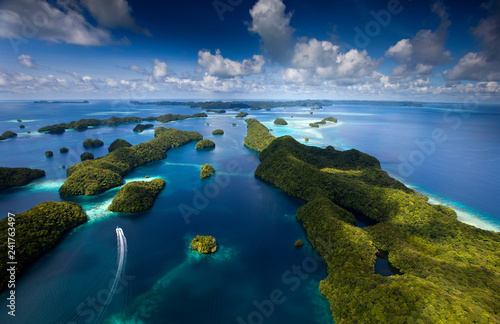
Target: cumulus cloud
(272, 24)
(159, 71)
(483, 65)
(113, 14)
(65, 22)
(418, 56)
(216, 65)
(137, 69)
(26, 61)
(210, 83)
(51, 24)
(315, 61)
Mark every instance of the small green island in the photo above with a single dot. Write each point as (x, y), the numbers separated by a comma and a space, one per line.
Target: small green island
(328, 119)
(218, 132)
(89, 143)
(206, 171)
(63, 150)
(137, 196)
(118, 143)
(221, 111)
(280, 121)
(37, 231)
(299, 243)
(142, 127)
(205, 144)
(7, 134)
(241, 115)
(204, 244)
(86, 156)
(49, 154)
(17, 177)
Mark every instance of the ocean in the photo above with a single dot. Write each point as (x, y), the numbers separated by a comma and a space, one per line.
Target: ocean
(448, 152)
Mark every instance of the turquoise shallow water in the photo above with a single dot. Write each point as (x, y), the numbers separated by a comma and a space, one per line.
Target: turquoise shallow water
(253, 221)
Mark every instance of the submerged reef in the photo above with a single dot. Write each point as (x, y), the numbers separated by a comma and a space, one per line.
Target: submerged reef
(204, 244)
(17, 177)
(93, 177)
(450, 271)
(37, 231)
(137, 196)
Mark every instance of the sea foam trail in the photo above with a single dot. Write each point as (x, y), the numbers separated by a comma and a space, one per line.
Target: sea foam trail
(121, 243)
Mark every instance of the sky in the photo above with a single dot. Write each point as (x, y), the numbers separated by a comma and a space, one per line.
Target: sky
(250, 49)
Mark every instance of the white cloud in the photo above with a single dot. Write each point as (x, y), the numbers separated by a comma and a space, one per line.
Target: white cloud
(51, 24)
(137, 69)
(216, 65)
(483, 65)
(316, 61)
(159, 70)
(419, 55)
(26, 61)
(270, 21)
(111, 83)
(113, 14)
(86, 78)
(210, 83)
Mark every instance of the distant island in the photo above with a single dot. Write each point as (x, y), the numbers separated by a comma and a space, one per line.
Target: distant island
(316, 104)
(61, 102)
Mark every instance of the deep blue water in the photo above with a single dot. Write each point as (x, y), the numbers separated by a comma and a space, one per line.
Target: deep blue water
(254, 222)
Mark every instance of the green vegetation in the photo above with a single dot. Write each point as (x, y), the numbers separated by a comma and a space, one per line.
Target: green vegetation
(96, 176)
(118, 143)
(204, 244)
(234, 124)
(49, 154)
(137, 196)
(17, 177)
(274, 104)
(258, 137)
(22, 126)
(140, 127)
(221, 111)
(299, 243)
(307, 139)
(19, 121)
(63, 150)
(88, 143)
(280, 121)
(37, 231)
(206, 171)
(204, 144)
(241, 115)
(7, 134)
(218, 132)
(86, 156)
(450, 270)
(84, 124)
(328, 119)
(55, 129)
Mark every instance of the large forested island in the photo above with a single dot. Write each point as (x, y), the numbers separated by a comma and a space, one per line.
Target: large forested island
(450, 271)
(36, 231)
(92, 177)
(16, 177)
(137, 196)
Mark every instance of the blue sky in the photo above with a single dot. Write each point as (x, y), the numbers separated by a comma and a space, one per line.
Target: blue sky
(249, 49)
